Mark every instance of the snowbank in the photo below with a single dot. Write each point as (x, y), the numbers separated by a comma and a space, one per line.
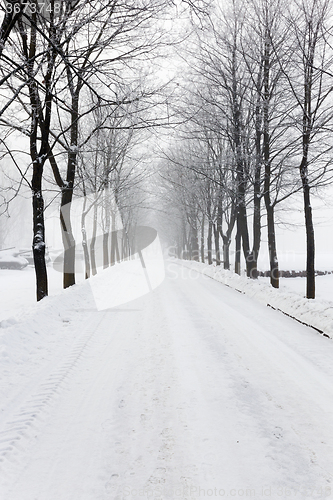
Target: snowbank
(34, 330)
(33, 335)
(315, 313)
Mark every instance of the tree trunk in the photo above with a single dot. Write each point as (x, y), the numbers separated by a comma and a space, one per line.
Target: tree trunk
(273, 260)
(226, 255)
(202, 241)
(209, 242)
(210, 226)
(117, 247)
(226, 238)
(113, 240)
(238, 250)
(242, 229)
(125, 245)
(306, 140)
(67, 196)
(257, 177)
(106, 233)
(217, 245)
(274, 265)
(194, 243)
(38, 243)
(68, 240)
(92, 243)
(84, 239)
(105, 250)
(244, 232)
(38, 159)
(310, 241)
(253, 258)
(219, 224)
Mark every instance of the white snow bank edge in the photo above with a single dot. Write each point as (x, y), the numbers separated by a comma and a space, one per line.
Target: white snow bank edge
(22, 335)
(310, 312)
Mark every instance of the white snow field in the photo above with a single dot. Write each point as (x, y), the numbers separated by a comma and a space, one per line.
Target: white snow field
(17, 293)
(289, 299)
(191, 391)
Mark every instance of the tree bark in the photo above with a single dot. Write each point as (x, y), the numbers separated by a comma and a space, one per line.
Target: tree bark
(238, 250)
(226, 248)
(68, 240)
(105, 250)
(106, 233)
(113, 239)
(242, 228)
(209, 242)
(253, 258)
(93, 242)
(194, 244)
(306, 139)
(274, 265)
(38, 157)
(217, 245)
(84, 239)
(310, 238)
(67, 196)
(38, 243)
(273, 261)
(226, 237)
(202, 241)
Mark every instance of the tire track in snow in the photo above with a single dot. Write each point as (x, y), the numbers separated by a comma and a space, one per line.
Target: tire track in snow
(21, 430)
(253, 355)
(153, 417)
(169, 398)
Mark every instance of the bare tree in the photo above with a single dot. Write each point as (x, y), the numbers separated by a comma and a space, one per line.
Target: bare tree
(69, 68)
(311, 88)
(107, 169)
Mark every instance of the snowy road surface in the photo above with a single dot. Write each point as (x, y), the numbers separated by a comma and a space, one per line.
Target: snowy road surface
(193, 391)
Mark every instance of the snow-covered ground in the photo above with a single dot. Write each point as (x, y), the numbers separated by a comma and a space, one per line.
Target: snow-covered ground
(191, 391)
(17, 290)
(324, 286)
(317, 313)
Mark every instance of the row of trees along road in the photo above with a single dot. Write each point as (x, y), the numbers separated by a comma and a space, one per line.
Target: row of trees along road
(64, 65)
(258, 128)
(253, 108)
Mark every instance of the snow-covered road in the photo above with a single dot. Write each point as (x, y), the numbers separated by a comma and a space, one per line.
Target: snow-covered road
(193, 391)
